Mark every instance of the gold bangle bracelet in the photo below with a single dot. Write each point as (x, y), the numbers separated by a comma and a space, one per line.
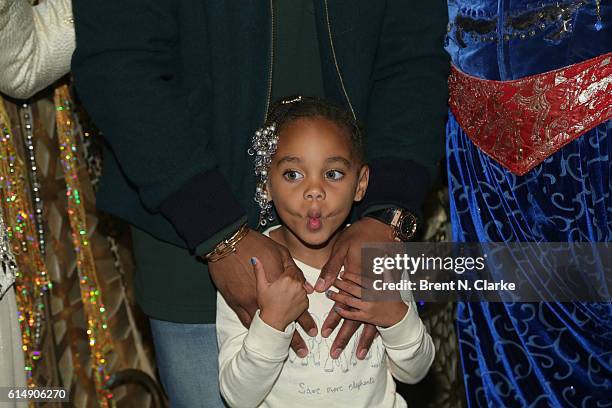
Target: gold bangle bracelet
(227, 246)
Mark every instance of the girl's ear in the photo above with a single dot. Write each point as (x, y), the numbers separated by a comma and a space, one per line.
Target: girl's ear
(362, 183)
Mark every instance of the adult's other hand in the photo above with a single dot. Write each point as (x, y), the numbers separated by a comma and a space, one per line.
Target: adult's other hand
(347, 253)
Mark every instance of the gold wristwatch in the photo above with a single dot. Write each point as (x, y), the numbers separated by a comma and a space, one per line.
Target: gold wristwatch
(403, 222)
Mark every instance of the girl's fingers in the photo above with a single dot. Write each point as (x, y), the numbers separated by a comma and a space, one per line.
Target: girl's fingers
(348, 314)
(364, 281)
(353, 277)
(348, 287)
(260, 274)
(344, 299)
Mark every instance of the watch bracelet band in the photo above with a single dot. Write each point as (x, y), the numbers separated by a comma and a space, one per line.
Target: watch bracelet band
(384, 215)
(227, 246)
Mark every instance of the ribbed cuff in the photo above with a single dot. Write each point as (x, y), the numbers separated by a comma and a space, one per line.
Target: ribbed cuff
(404, 333)
(268, 342)
(208, 245)
(396, 182)
(203, 207)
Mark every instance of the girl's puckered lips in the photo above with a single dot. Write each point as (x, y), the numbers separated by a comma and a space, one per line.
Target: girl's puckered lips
(314, 223)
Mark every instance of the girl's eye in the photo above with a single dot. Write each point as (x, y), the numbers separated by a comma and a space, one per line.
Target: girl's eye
(292, 175)
(334, 175)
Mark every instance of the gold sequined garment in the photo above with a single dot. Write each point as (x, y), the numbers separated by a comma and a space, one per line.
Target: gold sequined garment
(63, 355)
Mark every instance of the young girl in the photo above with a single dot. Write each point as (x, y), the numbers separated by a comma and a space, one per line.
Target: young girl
(310, 159)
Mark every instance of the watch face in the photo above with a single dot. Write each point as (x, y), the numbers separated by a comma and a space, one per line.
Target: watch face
(407, 226)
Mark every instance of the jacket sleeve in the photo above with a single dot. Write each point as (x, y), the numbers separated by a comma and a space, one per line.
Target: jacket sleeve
(37, 43)
(410, 349)
(125, 68)
(408, 104)
(250, 361)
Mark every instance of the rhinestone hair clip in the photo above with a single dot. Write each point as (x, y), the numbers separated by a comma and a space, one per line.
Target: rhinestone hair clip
(263, 147)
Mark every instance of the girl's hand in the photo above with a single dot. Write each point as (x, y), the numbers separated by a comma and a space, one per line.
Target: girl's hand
(382, 314)
(280, 302)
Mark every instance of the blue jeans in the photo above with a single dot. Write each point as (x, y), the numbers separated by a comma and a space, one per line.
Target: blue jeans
(187, 360)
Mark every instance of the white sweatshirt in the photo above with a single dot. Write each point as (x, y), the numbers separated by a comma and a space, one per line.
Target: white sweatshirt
(258, 369)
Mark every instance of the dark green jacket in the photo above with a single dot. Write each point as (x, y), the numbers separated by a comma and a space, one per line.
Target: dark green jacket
(179, 86)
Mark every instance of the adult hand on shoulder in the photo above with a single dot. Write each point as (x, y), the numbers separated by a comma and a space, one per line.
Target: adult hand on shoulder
(234, 278)
(347, 252)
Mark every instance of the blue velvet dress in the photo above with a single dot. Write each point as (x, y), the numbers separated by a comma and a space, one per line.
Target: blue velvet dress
(532, 354)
